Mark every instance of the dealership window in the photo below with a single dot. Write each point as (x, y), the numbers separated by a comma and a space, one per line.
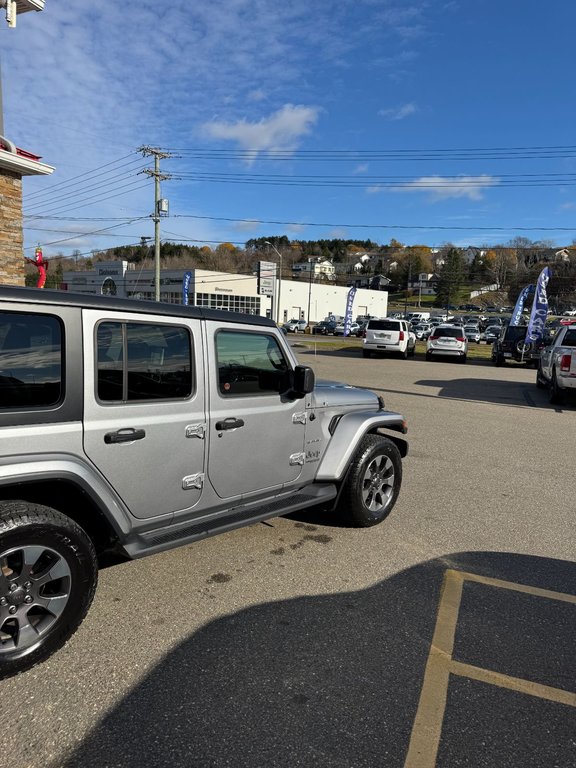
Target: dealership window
(249, 305)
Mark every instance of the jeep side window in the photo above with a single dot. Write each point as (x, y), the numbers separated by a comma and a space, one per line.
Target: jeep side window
(250, 364)
(143, 361)
(31, 354)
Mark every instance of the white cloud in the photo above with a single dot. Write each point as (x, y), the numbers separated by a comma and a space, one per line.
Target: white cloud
(361, 168)
(257, 95)
(246, 226)
(279, 132)
(399, 113)
(295, 228)
(444, 188)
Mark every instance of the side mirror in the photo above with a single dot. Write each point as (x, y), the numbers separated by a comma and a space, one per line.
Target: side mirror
(303, 381)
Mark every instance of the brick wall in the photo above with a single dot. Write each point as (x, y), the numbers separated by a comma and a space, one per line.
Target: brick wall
(11, 239)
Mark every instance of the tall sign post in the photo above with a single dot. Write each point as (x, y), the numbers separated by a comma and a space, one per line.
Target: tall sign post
(266, 278)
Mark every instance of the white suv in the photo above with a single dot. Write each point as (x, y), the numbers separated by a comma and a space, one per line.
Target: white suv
(449, 341)
(389, 335)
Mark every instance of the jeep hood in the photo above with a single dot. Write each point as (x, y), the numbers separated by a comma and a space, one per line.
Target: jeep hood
(328, 394)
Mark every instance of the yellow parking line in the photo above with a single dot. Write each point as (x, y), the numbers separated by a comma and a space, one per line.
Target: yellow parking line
(559, 695)
(427, 728)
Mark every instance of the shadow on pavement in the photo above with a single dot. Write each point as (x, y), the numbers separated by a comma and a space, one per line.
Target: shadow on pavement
(338, 680)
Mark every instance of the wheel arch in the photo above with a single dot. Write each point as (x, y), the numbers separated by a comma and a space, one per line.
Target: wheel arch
(89, 503)
(350, 430)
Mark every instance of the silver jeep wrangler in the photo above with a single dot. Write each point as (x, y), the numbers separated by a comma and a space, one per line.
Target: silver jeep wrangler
(127, 428)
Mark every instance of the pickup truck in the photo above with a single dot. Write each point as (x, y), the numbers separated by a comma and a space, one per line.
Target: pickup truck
(557, 366)
(131, 427)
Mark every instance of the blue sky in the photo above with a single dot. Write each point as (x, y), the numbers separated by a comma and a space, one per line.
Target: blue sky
(351, 118)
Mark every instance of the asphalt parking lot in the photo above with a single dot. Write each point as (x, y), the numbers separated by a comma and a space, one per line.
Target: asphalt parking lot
(443, 637)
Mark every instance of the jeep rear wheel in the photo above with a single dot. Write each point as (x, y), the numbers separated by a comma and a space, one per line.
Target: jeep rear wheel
(48, 577)
(373, 482)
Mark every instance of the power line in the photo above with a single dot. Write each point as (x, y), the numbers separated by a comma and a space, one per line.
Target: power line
(370, 226)
(423, 184)
(68, 195)
(98, 198)
(86, 234)
(92, 174)
(351, 155)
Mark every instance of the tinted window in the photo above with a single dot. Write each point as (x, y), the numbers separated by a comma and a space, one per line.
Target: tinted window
(515, 332)
(30, 360)
(143, 361)
(383, 325)
(250, 364)
(569, 339)
(452, 333)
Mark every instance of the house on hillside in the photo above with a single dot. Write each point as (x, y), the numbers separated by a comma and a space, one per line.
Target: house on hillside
(314, 270)
(372, 282)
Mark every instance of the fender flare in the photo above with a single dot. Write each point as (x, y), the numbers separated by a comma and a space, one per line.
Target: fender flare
(350, 430)
(33, 469)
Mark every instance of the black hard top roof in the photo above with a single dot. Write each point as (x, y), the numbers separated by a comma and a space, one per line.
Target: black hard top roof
(69, 299)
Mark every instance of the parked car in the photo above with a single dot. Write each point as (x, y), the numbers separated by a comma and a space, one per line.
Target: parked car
(389, 335)
(361, 329)
(295, 326)
(422, 331)
(491, 333)
(448, 341)
(128, 428)
(339, 330)
(512, 345)
(472, 333)
(324, 328)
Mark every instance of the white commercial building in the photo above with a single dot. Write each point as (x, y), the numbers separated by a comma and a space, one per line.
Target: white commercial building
(299, 299)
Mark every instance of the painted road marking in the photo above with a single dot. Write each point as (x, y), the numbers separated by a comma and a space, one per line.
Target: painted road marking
(427, 728)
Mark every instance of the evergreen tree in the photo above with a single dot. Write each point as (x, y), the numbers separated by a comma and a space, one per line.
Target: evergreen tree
(450, 278)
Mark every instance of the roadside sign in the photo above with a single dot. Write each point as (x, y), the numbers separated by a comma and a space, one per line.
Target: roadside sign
(266, 278)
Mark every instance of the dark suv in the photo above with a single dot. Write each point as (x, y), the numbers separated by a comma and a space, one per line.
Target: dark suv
(324, 328)
(512, 345)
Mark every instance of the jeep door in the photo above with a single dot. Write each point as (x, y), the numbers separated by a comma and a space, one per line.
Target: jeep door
(257, 431)
(144, 408)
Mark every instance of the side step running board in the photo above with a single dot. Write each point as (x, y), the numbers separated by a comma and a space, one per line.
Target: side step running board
(165, 538)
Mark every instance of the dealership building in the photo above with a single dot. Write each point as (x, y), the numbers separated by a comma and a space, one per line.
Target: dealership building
(299, 299)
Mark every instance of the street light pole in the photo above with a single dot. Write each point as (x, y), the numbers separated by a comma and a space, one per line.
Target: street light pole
(277, 293)
(310, 262)
(407, 288)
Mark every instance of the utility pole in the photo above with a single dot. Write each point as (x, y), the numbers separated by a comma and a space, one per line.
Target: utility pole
(158, 207)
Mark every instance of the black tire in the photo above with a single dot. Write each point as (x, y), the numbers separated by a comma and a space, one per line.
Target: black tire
(366, 353)
(556, 394)
(373, 482)
(404, 355)
(498, 360)
(48, 576)
(463, 359)
(428, 356)
(541, 381)
(412, 351)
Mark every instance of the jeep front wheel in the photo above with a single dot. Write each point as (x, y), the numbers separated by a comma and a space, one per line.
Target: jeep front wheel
(48, 577)
(373, 482)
